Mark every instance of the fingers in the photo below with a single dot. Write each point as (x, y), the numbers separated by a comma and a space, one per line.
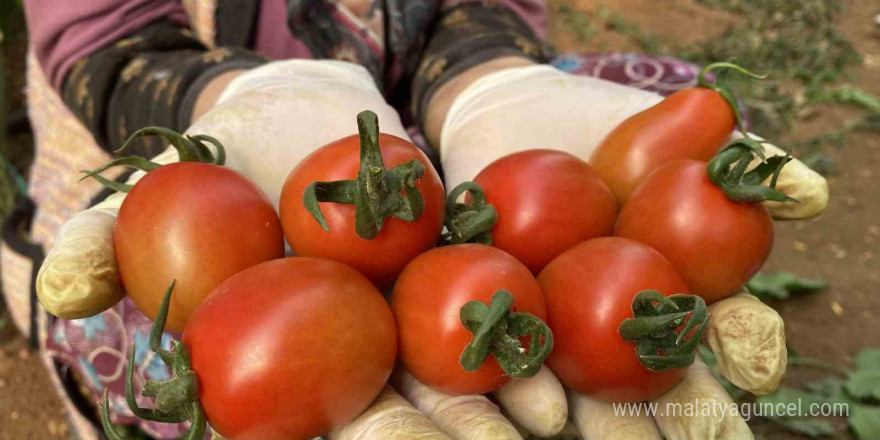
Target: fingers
(389, 417)
(800, 182)
(271, 117)
(748, 339)
(600, 420)
(699, 408)
(79, 277)
(532, 107)
(537, 403)
(460, 417)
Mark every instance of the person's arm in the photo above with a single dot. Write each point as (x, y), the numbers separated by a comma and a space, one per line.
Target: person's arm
(120, 65)
(470, 40)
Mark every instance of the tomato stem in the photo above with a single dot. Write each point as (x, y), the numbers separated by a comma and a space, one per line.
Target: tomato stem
(497, 331)
(728, 171)
(377, 193)
(656, 329)
(177, 399)
(702, 81)
(189, 149)
(469, 223)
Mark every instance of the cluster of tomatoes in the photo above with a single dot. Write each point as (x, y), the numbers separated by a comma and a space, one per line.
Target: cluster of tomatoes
(588, 266)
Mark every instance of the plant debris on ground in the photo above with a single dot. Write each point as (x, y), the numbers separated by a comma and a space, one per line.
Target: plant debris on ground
(796, 41)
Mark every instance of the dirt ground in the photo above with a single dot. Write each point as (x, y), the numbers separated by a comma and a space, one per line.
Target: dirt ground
(841, 245)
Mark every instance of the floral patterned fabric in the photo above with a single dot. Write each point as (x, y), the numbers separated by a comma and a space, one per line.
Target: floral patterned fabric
(97, 348)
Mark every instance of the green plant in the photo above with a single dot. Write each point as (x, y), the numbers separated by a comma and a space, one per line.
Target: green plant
(781, 285)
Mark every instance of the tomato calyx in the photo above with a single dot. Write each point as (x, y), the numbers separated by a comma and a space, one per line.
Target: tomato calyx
(190, 148)
(497, 330)
(656, 328)
(177, 399)
(469, 222)
(377, 193)
(727, 170)
(725, 93)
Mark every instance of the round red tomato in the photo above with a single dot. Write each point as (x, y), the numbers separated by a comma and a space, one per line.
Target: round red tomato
(290, 349)
(382, 257)
(715, 243)
(194, 222)
(427, 300)
(547, 202)
(589, 291)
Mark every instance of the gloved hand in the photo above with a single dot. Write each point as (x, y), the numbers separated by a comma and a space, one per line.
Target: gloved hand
(539, 107)
(267, 119)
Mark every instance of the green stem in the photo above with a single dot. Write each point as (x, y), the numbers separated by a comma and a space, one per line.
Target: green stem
(725, 93)
(469, 223)
(377, 193)
(189, 149)
(177, 399)
(727, 170)
(497, 331)
(656, 328)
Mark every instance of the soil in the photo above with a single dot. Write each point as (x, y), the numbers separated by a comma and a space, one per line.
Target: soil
(843, 245)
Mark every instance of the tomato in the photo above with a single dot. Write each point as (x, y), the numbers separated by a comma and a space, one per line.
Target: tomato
(290, 349)
(589, 291)
(547, 202)
(715, 243)
(197, 223)
(693, 123)
(689, 124)
(427, 300)
(383, 256)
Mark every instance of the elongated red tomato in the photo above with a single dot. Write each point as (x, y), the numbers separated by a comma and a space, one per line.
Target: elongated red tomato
(397, 241)
(547, 202)
(290, 349)
(427, 300)
(690, 124)
(715, 243)
(589, 291)
(194, 222)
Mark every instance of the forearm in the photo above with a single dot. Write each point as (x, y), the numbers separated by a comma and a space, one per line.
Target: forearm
(470, 40)
(154, 76)
(441, 101)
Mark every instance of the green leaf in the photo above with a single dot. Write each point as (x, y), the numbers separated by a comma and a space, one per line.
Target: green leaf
(808, 426)
(865, 422)
(786, 395)
(868, 359)
(781, 285)
(864, 384)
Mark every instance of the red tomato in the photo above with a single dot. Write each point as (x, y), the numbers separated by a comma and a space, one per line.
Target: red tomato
(589, 291)
(383, 257)
(194, 222)
(690, 124)
(426, 303)
(715, 243)
(290, 349)
(547, 202)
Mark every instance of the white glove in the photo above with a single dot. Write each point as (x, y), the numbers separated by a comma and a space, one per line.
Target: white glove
(268, 119)
(531, 107)
(540, 107)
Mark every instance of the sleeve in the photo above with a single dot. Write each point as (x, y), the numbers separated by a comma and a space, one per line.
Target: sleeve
(469, 33)
(120, 65)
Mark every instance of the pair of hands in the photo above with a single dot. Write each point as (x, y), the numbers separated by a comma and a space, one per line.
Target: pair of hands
(272, 117)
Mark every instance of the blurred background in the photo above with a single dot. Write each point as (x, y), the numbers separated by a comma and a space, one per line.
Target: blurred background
(823, 100)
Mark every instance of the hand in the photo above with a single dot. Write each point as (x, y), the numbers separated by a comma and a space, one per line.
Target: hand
(266, 119)
(538, 107)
